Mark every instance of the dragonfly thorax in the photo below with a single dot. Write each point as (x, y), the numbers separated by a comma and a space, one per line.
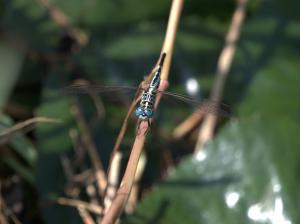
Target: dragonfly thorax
(146, 108)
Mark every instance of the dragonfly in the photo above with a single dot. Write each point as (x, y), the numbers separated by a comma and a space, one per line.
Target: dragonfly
(145, 109)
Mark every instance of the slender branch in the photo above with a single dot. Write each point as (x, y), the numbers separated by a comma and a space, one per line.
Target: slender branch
(60, 18)
(133, 197)
(188, 124)
(224, 64)
(168, 49)
(85, 216)
(123, 129)
(91, 148)
(6, 133)
(80, 205)
(168, 44)
(123, 192)
(113, 178)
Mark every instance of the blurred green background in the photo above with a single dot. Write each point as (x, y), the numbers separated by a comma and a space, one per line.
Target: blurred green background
(249, 173)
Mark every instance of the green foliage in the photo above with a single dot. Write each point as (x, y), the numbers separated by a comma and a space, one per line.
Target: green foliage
(253, 159)
(249, 172)
(23, 157)
(10, 60)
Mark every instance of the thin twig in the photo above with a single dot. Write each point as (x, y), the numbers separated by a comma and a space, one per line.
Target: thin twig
(8, 132)
(74, 190)
(113, 178)
(60, 18)
(123, 129)
(86, 177)
(188, 124)
(85, 216)
(114, 172)
(91, 148)
(80, 205)
(123, 192)
(224, 64)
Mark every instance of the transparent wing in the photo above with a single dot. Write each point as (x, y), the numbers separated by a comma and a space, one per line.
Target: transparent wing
(204, 105)
(87, 88)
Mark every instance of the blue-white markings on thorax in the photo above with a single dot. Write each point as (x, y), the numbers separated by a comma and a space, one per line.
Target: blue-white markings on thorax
(145, 110)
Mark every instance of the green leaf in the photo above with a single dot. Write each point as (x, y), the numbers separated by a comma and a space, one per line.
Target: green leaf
(24, 162)
(11, 58)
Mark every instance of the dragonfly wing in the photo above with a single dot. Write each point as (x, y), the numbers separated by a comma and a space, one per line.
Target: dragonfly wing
(87, 89)
(205, 105)
(110, 93)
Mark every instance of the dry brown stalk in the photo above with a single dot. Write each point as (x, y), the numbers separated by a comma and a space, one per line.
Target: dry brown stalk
(60, 18)
(90, 146)
(123, 129)
(80, 205)
(123, 192)
(113, 179)
(188, 124)
(224, 64)
(168, 44)
(133, 197)
(168, 49)
(7, 133)
(73, 181)
(85, 216)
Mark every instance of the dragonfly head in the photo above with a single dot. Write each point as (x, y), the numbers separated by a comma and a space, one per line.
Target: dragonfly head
(143, 114)
(148, 113)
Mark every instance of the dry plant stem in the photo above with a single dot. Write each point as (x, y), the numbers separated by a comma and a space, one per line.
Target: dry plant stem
(224, 63)
(113, 171)
(113, 178)
(63, 21)
(2, 218)
(133, 197)
(169, 40)
(168, 49)
(123, 192)
(5, 134)
(123, 129)
(91, 148)
(96, 209)
(81, 206)
(188, 124)
(85, 216)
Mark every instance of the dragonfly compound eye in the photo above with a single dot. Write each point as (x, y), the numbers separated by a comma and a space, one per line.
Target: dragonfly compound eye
(138, 111)
(148, 112)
